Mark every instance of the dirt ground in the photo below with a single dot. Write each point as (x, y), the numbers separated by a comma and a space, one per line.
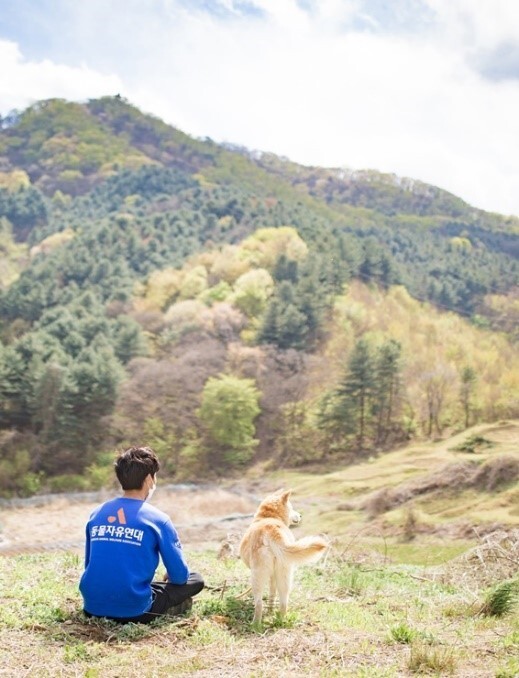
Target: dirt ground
(203, 517)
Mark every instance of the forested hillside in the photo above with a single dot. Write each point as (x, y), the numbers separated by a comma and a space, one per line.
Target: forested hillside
(229, 307)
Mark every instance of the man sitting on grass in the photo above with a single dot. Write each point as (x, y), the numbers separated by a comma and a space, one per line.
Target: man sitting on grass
(124, 538)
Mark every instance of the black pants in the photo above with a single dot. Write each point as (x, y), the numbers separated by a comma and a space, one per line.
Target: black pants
(165, 596)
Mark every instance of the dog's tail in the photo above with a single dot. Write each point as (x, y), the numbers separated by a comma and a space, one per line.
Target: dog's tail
(304, 550)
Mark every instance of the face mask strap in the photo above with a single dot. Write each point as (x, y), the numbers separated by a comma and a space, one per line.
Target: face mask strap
(151, 491)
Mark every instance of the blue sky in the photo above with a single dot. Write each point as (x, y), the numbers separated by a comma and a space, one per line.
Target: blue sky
(427, 89)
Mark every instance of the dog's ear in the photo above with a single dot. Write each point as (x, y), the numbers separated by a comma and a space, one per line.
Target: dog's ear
(285, 496)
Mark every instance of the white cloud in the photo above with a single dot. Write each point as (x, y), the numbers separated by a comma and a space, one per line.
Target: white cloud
(23, 82)
(312, 86)
(478, 24)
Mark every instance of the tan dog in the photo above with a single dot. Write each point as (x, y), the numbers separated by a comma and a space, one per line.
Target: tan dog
(271, 552)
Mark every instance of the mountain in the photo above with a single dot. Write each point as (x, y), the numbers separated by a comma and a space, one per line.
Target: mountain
(134, 257)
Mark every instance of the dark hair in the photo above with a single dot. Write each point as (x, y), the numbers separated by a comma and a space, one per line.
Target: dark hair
(133, 465)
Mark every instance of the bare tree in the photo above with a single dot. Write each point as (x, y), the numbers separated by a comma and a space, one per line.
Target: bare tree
(436, 385)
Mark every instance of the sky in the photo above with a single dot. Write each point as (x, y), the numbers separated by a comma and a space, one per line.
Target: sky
(427, 89)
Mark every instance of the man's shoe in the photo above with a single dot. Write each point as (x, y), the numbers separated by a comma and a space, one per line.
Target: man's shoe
(181, 608)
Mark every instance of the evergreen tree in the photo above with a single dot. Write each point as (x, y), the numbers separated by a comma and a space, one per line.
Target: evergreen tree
(292, 328)
(15, 390)
(21, 367)
(87, 395)
(349, 410)
(285, 269)
(47, 392)
(387, 389)
(284, 324)
(128, 340)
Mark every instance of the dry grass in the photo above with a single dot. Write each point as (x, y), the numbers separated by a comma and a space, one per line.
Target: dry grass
(496, 473)
(438, 661)
(494, 559)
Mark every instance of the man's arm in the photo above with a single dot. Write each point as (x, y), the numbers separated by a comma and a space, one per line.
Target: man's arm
(172, 555)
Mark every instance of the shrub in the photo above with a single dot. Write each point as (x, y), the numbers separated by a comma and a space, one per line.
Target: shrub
(16, 476)
(501, 599)
(473, 444)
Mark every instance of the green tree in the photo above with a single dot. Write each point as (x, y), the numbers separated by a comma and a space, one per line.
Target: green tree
(284, 324)
(252, 291)
(22, 365)
(387, 388)
(228, 410)
(87, 396)
(128, 340)
(47, 392)
(349, 409)
(164, 442)
(15, 390)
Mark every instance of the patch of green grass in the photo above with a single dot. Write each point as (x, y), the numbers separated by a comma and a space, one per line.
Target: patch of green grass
(289, 621)
(337, 617)
(77, 652)
(511, 640)
(402, 633)
(40, 590)
(472, 444)
(130, 632)
(510, 669)
(351, 581)
(235, 614)
(208, 633)
(502, 599)
(423, 552)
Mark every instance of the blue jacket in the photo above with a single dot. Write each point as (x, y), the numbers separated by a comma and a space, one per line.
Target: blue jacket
(124, 538)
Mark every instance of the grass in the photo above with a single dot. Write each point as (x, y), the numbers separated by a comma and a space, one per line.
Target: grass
(345, 619)
(338, 501)
(503, 599)
(402, 633)
(438, 661)
(472, 444)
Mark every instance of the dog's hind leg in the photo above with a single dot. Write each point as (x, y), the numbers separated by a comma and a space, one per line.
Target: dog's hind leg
(284, 586)
(272, 592)
(259, 582)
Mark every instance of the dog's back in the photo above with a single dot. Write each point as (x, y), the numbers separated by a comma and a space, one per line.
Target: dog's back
(270, 540)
